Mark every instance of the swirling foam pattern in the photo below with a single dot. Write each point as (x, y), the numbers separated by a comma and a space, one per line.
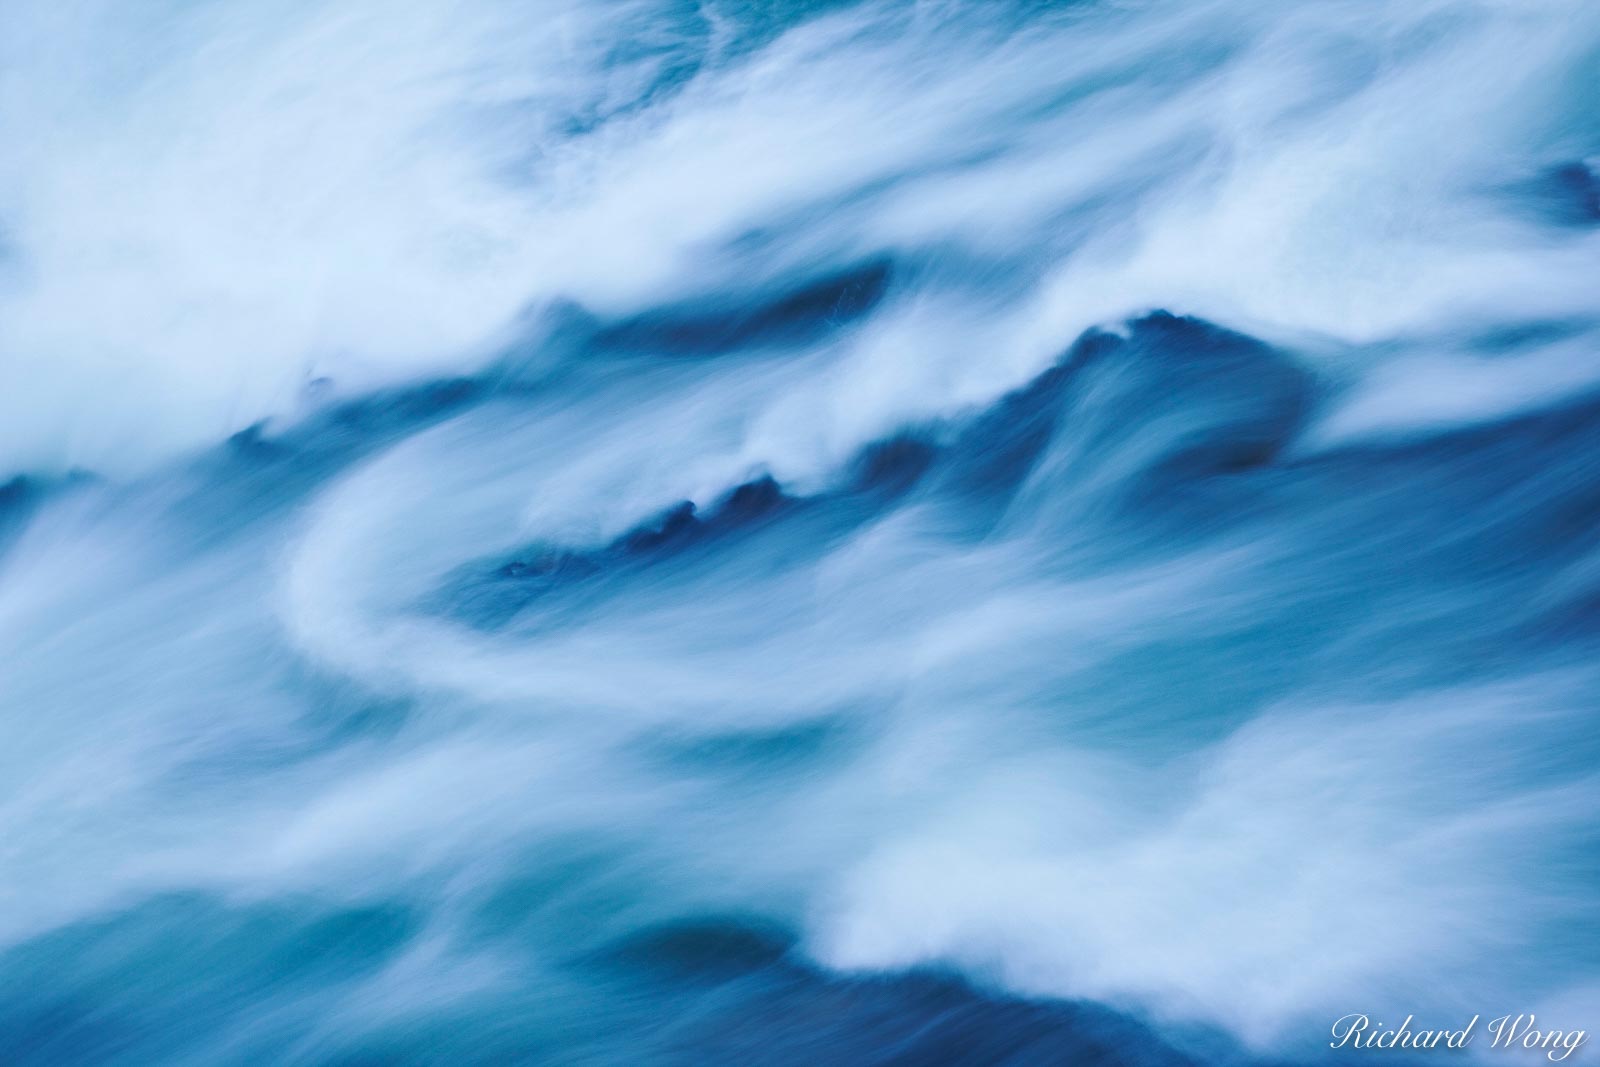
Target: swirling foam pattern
(654, 532)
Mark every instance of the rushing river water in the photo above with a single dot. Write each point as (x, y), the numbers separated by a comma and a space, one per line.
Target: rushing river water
(638, 532)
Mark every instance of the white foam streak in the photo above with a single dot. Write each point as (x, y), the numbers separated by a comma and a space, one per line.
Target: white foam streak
(245, 201)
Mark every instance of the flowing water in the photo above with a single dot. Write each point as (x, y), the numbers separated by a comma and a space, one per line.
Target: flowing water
(646, 532)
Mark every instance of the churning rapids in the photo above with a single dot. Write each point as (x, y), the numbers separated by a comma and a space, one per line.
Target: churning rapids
(611, 532)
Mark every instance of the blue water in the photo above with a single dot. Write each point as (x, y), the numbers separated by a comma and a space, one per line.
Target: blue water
(597, 532)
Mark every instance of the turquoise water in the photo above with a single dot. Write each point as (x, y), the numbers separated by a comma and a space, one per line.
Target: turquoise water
(860, 533)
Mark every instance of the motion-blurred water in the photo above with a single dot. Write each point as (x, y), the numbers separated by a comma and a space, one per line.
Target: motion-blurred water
(646, 532)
